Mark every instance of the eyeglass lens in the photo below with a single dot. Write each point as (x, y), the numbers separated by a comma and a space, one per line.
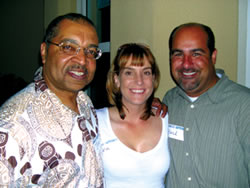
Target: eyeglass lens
(73, 49)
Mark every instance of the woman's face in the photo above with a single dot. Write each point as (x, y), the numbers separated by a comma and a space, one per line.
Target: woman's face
(136, 83)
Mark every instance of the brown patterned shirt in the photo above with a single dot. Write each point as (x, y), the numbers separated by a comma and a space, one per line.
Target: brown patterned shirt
(43, 143)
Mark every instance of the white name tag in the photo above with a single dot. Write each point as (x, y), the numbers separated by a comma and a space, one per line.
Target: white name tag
(176, 132)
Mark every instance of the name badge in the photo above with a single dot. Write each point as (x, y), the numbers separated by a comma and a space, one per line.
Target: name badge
(176, 132)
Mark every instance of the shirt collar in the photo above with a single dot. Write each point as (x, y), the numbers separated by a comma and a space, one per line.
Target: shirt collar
(85, 106)
(214, 93)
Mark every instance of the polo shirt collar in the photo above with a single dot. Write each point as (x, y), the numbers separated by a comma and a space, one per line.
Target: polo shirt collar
(214, 93)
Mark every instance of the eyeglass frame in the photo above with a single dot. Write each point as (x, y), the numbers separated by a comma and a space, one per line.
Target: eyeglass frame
(99, 51)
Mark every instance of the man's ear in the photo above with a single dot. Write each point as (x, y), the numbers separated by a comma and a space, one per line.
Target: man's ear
(214, 55)
(43, 51)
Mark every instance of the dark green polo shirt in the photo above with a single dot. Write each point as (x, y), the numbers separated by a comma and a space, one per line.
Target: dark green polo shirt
(215, 152)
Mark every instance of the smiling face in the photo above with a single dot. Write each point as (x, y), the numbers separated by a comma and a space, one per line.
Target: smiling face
(192, 66)
(136, 82)
(69, 73)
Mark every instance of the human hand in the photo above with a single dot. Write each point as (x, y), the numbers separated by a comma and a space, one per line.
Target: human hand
(160, 107)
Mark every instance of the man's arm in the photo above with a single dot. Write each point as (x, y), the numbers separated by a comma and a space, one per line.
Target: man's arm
(161, 108)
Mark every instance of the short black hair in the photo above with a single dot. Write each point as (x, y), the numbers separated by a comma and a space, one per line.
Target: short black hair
(208, 30)
(52, 29)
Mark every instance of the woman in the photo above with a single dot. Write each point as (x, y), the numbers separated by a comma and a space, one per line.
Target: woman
(134, 140)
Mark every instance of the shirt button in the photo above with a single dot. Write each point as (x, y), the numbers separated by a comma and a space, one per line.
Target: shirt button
(192, 106)
(187, 154)
(187, 129)
(189, 178)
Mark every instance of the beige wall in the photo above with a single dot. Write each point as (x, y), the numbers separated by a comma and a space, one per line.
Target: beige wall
(53, 8)
(151, 21)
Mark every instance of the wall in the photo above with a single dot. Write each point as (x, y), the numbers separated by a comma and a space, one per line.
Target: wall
(53, 8)
(243, 76)
(23, 24)
(151, 21)
(21, 35)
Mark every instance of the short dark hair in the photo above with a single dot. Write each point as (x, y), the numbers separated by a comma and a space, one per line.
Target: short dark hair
(208, 30)
(53, 29)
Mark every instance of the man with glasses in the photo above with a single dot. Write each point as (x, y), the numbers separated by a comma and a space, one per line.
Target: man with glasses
(48, 131)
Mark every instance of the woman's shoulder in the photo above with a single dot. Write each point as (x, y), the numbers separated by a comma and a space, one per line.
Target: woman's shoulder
(165, 118)
(101, 111)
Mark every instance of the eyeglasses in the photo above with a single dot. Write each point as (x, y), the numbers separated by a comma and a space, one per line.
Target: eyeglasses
(70, 48)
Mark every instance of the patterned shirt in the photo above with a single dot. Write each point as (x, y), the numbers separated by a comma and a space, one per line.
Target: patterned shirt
(43, 143)
(210, 137)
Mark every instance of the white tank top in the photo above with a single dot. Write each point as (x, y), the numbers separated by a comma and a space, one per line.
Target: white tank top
(126, 168)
